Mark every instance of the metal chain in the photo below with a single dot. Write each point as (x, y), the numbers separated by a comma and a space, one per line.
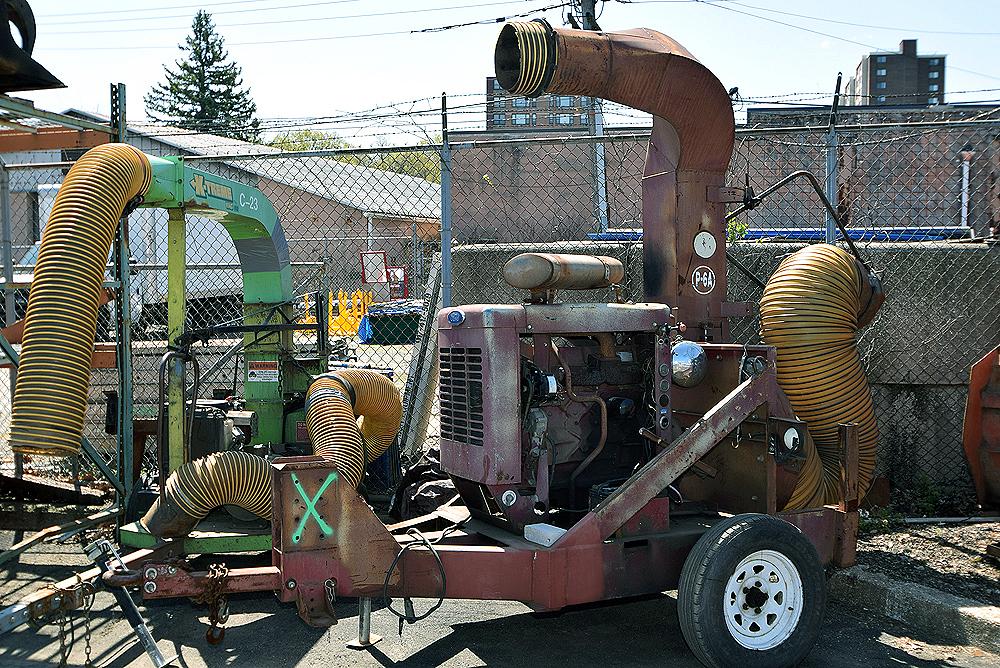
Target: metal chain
(90, 592)
(63, 622)
(64, 649)
(212, 596)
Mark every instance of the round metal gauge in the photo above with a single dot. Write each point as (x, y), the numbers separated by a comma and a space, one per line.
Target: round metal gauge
(704, 244)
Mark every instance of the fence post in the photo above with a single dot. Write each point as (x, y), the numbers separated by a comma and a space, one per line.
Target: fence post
(831, 182)
(445, 207)
(600, 167)
(123, 316)
(7, 253)
(831, 165)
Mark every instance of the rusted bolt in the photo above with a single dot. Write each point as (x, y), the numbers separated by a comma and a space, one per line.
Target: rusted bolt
(149, 587)
(290, 584)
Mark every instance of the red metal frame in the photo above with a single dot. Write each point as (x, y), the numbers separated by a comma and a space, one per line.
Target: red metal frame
(628, 545)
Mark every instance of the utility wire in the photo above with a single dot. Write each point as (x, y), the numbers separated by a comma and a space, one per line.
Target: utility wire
(499, 19)
(200, 5)
(867, 25)
(325, 38)
(729, 8)
(188, 16)
(299, 20)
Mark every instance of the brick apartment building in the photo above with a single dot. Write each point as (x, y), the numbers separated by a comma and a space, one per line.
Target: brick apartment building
(504, 110)
(894, 78)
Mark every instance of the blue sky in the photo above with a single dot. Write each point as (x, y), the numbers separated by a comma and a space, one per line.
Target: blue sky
(298, 63)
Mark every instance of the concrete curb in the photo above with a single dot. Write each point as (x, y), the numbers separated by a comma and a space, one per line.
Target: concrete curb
(952, 618)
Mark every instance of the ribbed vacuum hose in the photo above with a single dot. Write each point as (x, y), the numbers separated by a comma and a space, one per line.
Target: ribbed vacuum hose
(332, 424)
(50, 397)
(192, 491)
(333, 404)
(811, 311)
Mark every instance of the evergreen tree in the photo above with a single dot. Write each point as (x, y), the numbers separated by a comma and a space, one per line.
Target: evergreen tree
(205, 92)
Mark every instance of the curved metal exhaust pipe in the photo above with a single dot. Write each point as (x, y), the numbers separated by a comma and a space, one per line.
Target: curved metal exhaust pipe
(689, 149)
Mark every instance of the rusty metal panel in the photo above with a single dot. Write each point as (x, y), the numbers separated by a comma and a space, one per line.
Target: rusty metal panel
(820, 526)
(981, 433)
(480, 429)
(326, 540)
(595, 318)
(654, 518)
(167, 580)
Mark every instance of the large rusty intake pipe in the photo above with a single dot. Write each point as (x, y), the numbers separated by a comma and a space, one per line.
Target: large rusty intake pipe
(688, 154)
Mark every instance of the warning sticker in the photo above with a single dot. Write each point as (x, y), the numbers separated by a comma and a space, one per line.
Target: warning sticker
(262, 371)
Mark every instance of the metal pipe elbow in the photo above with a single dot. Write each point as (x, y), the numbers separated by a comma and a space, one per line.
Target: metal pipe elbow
(641, 68)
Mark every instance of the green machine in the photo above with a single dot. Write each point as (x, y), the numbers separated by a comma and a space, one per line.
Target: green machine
(272, 413)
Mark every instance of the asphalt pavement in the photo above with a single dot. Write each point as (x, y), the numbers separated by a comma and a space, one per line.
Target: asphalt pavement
(263, 632)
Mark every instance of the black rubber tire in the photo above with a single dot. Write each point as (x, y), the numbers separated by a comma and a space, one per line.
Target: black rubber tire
(706, 573)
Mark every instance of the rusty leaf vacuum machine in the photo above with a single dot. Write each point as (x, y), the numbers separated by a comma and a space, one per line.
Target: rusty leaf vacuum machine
(599, 450)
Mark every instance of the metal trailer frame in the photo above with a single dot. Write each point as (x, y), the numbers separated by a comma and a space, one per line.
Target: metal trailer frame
(327, 542)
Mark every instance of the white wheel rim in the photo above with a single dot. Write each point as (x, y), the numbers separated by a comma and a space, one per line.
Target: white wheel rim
(762, 602)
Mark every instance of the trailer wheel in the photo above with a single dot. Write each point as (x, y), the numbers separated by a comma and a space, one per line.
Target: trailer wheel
(752, 593)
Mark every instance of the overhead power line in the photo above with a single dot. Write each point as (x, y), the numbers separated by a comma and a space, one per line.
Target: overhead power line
(499, 19)
(312, 19)
(75, 22)
(868, 25)
(728, 7)
(201, 5)
(323, 38)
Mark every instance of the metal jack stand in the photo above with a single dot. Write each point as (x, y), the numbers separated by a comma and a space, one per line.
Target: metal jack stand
(102, 550)
(365, 638)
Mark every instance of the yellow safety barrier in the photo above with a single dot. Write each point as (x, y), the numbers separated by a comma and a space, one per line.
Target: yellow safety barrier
(351, 307)
(346, 318)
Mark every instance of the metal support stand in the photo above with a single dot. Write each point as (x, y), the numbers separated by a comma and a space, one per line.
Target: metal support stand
(365, 638)
(100, 552)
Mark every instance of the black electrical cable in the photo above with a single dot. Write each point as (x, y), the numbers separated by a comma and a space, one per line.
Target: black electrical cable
(420, 539)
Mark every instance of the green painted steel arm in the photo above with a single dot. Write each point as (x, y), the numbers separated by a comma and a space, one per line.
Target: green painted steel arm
(245, 212)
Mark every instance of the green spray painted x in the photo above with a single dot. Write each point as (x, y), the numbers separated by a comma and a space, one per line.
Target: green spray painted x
(311, 507)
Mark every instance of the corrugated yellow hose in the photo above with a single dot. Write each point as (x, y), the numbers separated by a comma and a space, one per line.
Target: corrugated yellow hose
(331, 414)
(50, 398)
(333, 404)
(192, 491)
(811, 311)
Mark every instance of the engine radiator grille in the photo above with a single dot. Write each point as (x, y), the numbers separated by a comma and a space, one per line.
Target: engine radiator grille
(461, 394)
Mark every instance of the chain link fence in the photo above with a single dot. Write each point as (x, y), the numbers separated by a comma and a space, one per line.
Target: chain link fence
(918, 194)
